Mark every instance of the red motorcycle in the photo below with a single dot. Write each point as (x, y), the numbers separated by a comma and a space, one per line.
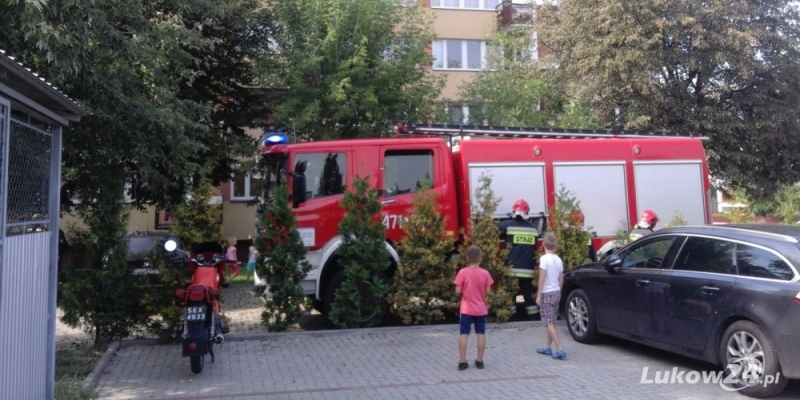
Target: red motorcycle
(202, 323)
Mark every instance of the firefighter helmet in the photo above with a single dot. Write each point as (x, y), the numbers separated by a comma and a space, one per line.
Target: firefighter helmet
(520, 209)
(648, 219)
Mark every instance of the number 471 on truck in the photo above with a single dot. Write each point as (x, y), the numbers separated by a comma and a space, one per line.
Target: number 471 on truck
(614, 174)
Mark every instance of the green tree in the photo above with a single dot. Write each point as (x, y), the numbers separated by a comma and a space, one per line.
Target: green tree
(727, 69)
(281, 261)
(165, 83)
(677, 219)
(422, 289)
(518, 89)
(349, 68)
(360, 299)
(196, 222)
(196, 219)
(788, 204)
(572, 237)
(483, 232)
(98, 292)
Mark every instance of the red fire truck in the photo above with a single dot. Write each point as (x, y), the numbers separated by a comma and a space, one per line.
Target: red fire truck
(615, 175)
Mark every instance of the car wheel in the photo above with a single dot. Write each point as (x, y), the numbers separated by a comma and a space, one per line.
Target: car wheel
(580, 318)
(750, 361)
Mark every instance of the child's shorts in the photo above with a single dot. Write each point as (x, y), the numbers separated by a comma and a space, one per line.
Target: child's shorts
(468, 320)
(251, 266)
(549, 307)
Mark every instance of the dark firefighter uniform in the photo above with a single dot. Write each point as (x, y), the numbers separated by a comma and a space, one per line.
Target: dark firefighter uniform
(520, 238)
(638, 233)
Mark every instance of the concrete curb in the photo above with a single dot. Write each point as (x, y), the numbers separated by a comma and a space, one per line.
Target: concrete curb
(352, 332)
(94, 376)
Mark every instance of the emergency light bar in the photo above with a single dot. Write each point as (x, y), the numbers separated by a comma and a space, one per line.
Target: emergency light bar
(275, 138)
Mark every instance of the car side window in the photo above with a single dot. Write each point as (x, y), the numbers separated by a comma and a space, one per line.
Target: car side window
(760, 263)
(648, 254)
(706, 255)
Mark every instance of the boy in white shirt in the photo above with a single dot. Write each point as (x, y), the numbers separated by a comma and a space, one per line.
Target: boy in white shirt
(551, 278)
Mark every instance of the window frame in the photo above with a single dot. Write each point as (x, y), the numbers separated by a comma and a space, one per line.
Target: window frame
(343, 164)
(736, 261)
(247, 188)
(666, 261)
(768, 250)
(440, 4)
(386, 155)
(464, 55)
(734, 264)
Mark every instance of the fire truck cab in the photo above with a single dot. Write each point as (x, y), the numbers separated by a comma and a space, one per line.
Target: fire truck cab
(614, 175)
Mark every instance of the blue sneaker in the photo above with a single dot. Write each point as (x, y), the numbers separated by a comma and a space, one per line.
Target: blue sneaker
(560, 355)
(547, 352)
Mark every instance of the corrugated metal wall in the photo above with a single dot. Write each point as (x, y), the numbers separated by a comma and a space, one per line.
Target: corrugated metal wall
(28, 216)
(23, 338)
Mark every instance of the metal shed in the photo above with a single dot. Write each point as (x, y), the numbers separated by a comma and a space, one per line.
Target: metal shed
(33, 114)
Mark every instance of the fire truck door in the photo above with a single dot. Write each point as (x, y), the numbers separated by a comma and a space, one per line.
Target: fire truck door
(403, 172)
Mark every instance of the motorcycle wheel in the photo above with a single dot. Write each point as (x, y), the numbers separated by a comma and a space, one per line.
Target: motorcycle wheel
(197, 364)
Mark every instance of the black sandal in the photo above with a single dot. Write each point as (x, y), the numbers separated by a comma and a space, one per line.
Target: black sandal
(462, 366)
(478, 364)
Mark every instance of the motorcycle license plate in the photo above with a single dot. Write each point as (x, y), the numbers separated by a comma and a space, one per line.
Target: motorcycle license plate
(196, 313)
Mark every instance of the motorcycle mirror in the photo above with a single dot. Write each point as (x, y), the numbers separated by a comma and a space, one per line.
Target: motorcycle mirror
(170, 245)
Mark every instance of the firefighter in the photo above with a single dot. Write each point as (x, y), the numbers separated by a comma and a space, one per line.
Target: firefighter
(520, 234)
(578, 219)
(645, 226)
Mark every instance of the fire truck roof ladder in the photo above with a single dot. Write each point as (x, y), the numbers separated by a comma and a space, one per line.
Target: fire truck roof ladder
(553, 133)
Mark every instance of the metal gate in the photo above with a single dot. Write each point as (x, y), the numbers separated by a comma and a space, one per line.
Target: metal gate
(26, 268)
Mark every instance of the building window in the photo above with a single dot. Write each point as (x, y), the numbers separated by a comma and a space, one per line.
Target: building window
(457, 114)
(466, 4)
(459, 54)
(245, 187)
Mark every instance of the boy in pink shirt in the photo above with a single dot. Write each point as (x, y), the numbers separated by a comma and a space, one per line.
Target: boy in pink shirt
(473, 283)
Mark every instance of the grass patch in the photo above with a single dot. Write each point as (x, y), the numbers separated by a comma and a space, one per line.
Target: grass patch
(241, 278)
(73, 365)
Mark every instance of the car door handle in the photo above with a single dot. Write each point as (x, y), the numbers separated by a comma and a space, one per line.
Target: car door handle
(709, 289)
(642, 282)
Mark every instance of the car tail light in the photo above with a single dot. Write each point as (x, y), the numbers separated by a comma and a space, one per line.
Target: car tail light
(214, 291)
(179, 292)
(197, 294)
(797, 298)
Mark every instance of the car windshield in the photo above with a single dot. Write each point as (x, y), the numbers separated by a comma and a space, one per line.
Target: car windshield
(141, 246)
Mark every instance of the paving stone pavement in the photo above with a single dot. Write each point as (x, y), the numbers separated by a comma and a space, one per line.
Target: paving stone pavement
(403, 363)
(239, 304)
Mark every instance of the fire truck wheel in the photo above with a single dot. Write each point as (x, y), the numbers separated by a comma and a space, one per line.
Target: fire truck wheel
(330, 289)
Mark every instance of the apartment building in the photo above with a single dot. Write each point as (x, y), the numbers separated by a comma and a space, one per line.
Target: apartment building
(460, 49)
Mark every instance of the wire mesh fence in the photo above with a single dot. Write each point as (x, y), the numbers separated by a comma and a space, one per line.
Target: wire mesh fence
(29, 161)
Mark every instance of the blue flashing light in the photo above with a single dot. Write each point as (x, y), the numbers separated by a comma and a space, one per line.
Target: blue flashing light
(275, 138)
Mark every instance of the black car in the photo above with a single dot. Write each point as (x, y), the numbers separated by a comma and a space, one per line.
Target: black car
(140, 246)
(729, 295)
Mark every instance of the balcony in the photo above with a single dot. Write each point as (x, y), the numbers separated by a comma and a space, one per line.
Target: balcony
(511, 14)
